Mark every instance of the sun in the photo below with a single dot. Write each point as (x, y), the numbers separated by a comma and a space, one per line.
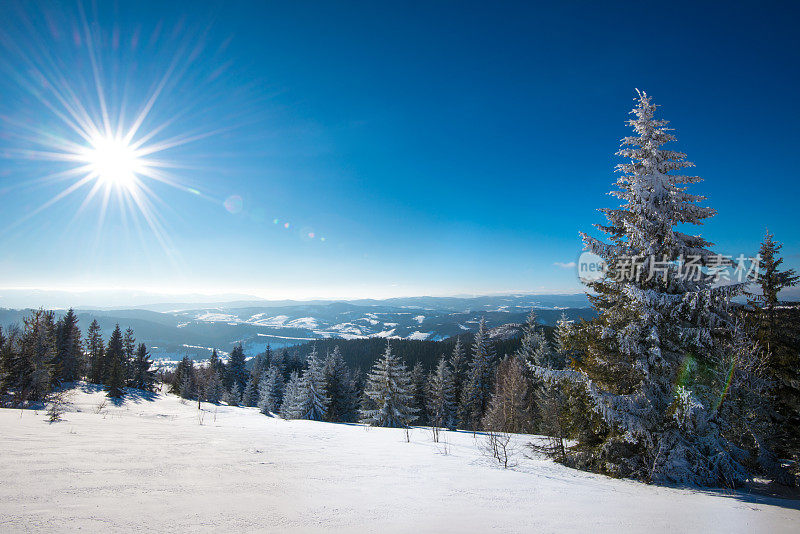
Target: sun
(113, 161)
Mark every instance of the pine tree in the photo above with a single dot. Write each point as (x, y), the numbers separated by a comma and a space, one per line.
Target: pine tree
(250, 394)
(441, 396)
(662, 363)
(236, 374)
(184, 379)
(777, 330)
(278, 359)
(510, 406)
(419, 382)
(188, 384)
(266, 359)
(293, 404)
(115, 380)
(68, 347)
(143, 377)
(216, 364)
(534, 350)
(339, 388)
(389, 393)
(555, 400)
(478, 389)
(30, 361)
(315, 399)
(94, 347)
(215, 389)
(234, 396)
(5, 364)
(114, 353)
(128, 353)
(270, 390)
(459, 367)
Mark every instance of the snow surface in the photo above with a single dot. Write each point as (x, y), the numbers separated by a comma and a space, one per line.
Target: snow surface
(149, 464)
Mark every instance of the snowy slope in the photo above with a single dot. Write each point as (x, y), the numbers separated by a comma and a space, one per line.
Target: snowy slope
(150, 465)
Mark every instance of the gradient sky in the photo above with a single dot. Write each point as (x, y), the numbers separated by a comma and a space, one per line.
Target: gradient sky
(438, 147)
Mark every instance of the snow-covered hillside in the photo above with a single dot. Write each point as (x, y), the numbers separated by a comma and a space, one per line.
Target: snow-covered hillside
(158, 464)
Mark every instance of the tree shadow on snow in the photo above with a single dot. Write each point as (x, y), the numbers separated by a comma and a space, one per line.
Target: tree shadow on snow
(758, 493)
(139, 395)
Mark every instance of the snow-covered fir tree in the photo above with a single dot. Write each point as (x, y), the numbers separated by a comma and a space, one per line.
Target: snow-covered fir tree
(234, 396)
(510, 406)
(657, 364)
(293, 404)
(313, 394)
(236, 371)
(29, 371)
(777, 329)
(534, 347)
(94, 348)
(534, 350)
(143, 377)
(69, 353)
(339, 388)
(116, 365)
(419, 383)
(478, 388)
(251, 391)
(458, 366)
(129, 352)
(114, 352)
(441, 396)
(215, 389)
(188, 379)
(270, 390)
(388, 393)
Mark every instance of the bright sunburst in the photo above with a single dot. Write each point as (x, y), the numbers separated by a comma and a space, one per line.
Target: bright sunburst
(114, 162)
(108, 148)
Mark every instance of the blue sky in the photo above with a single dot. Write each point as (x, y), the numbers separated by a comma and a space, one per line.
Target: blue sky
(438, 148)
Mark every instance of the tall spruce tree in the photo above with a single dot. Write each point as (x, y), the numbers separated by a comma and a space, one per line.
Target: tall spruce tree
(339, 388)
(510, 406)
(441, 404)
(534, 350)
(777, 330)
(129, 352)
(663, 363)
(388, 393)
(250, 394)
(236, 371)
(115, 379)
(68, 347)
(216, 364)
(215, 389)
(30, 365)
(459, 367)
(184, 381)
(419, 382)
(270, 390)
(293, 404)
(314, 396)
(95, 350)
(115, 352)
(143, 376)
(480, 378)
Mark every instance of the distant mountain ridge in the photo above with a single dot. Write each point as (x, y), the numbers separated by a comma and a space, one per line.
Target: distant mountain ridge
(195, 331)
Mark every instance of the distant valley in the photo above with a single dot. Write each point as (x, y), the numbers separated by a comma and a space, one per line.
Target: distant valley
(174, 330)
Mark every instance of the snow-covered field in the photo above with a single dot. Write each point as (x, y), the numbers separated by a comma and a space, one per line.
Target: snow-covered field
(160, 465)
